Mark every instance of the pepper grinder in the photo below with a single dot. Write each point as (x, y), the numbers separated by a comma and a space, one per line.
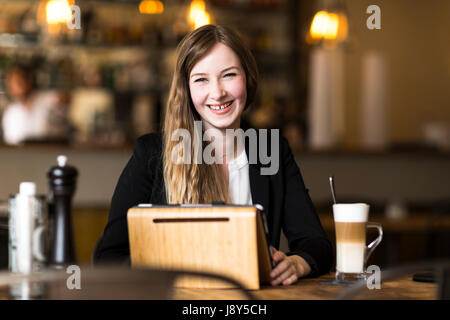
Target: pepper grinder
(62, 183)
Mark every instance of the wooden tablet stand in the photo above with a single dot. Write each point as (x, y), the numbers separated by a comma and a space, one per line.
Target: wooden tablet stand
(229, 240)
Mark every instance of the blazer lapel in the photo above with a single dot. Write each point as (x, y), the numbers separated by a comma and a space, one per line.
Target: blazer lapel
(259, 184)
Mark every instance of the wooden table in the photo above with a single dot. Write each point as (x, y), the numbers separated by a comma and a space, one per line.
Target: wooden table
(127, 284)
(403, 288)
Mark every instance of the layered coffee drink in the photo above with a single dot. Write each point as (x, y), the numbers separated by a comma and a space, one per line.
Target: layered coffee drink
(350, 246)
(350, 224)
(351, 250)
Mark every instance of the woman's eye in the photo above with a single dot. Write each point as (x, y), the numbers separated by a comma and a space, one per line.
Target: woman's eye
(230, 75)
(200, 80)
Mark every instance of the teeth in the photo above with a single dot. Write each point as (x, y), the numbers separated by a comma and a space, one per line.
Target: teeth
(220, 107)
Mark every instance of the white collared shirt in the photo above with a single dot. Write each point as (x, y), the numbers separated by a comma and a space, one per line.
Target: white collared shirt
(239, 180)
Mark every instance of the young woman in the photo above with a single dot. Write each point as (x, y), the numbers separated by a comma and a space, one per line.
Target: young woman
(214, 81)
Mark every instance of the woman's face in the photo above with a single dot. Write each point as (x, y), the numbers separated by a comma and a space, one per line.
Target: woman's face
(217, 86)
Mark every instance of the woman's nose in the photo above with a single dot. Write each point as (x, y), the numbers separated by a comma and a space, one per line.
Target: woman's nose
(217, 91)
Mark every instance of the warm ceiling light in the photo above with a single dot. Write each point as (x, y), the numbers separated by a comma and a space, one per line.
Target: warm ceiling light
(330, 26)
(196, 9)
(319, 25)
(151, 7)
(58, 11)
(198, 15)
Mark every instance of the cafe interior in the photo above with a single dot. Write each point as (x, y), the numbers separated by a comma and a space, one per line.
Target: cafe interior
(359, 88)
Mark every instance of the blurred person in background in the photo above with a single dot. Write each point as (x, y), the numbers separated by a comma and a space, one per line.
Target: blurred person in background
(31, 115)
(91, 107)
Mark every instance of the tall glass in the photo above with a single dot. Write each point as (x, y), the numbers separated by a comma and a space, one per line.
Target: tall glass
(352, 253)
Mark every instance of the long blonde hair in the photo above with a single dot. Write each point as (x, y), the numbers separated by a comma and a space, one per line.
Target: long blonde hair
(198, 182)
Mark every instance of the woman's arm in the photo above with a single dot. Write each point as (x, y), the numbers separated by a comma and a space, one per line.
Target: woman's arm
(134, 187)
(302, 227)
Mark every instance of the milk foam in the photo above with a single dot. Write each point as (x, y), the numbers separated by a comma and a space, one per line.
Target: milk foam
(350, 212)
(350, 257)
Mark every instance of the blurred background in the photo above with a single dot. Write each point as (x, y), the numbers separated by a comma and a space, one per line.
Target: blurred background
(359, 88)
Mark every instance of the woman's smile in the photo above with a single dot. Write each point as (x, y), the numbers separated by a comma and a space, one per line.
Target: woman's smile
(220, 108)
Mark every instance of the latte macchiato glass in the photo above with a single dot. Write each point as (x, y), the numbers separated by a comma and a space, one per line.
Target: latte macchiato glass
(351, 251)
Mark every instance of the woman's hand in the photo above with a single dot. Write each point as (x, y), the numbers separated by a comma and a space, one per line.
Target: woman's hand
(288, 268)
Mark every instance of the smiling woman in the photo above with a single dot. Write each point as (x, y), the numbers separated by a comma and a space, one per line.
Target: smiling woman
(214, 82)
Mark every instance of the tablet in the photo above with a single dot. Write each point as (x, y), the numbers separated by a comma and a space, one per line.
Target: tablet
(229, 240)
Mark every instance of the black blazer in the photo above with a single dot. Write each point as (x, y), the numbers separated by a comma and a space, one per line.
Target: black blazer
(283, 195)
